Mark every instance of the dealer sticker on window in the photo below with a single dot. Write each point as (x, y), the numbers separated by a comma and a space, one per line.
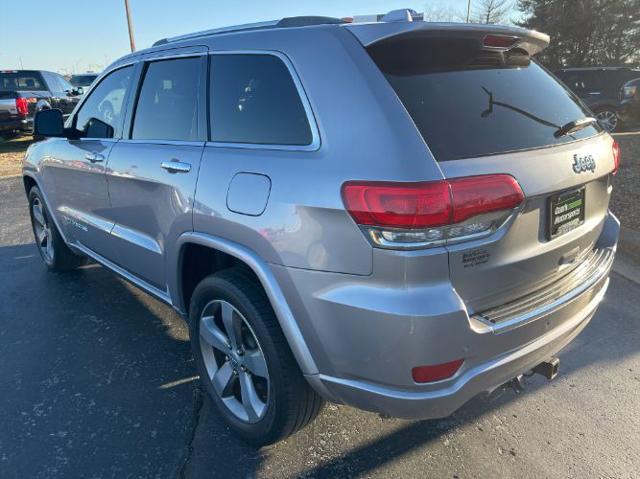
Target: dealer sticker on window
(566, 212)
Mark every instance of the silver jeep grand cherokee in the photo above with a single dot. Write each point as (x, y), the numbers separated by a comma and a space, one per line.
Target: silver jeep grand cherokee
(397, 215)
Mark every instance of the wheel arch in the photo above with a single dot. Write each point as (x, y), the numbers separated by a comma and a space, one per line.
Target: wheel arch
(261, 271)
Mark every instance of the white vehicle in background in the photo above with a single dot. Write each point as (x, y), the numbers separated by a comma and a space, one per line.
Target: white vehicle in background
(83, 80)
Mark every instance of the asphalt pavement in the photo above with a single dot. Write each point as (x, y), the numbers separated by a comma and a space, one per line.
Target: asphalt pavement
(97, 380)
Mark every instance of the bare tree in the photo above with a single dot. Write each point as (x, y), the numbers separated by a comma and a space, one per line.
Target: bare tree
(492, 11)
(435, 13)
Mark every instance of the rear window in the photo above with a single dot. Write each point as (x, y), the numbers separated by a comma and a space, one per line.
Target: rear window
(255, 100)
(468, 102)
(82, 80)
(23, 81)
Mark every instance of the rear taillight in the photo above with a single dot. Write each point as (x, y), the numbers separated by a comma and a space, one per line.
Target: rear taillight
(22, 105)
(419, 215)
(616, 156)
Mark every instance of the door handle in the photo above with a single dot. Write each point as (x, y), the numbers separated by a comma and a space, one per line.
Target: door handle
(175, 166)
(94, 157)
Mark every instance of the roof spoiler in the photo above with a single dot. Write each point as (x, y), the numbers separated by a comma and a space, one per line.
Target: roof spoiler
(372, 33)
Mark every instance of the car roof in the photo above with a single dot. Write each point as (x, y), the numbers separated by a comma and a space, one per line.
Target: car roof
(394, 23)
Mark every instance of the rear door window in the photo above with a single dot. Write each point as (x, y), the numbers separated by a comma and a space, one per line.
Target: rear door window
(167, 107)
(255, 100)
(468, 102)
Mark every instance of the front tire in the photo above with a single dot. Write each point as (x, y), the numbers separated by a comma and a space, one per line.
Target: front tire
(245, 362)
(54, 252)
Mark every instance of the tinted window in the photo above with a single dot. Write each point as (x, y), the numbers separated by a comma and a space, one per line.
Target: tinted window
(24, 81)
(105, 104)
(254, 100)
(82, 80)
(468, 102)
(168, 104)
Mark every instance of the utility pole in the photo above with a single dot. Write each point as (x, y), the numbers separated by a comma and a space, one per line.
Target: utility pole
(468, 10)
(130, 25)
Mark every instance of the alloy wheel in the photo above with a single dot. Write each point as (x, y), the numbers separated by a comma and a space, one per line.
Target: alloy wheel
(234, 361)
(42, 230)
(608, 119)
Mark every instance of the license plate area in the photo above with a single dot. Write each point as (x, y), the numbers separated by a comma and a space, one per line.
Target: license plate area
(566, 212)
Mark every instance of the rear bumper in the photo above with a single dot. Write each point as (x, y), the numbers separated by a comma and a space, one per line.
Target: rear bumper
(446, 399)
(16, 124)
(366, 342)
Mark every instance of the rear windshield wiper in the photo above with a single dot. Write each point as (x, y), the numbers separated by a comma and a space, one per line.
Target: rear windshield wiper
(574, 126)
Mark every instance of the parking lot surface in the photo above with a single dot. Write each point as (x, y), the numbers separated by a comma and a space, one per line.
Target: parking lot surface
(98, 381)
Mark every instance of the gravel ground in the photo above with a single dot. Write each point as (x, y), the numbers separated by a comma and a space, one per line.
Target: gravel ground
(626, 186)
(11, 154)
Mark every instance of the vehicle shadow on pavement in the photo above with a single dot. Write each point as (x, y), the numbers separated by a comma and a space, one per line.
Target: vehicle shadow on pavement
(102, 383)
(344, 442)
(99, 375)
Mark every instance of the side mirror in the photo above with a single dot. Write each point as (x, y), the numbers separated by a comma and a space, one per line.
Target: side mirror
(77, 91)
(48, 123)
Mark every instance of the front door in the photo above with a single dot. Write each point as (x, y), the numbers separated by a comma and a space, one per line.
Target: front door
(152, 175)
(75, 170)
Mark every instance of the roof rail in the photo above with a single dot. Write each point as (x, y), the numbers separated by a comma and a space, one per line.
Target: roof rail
(288, 22)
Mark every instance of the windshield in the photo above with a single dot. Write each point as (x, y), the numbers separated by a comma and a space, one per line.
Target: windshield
(82, 80)
(22, 81)
(468, 102)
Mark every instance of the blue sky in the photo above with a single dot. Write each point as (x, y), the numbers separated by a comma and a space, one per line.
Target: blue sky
(76, 35)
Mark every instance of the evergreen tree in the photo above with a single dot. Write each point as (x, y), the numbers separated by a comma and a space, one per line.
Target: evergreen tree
(585, 32)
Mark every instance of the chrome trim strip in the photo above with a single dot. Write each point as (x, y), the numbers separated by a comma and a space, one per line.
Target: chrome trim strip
(91, 220)
(311, 119)
(135, 237)
(533, 306)
(152, 290)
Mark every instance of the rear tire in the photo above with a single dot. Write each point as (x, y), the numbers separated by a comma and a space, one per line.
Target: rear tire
(53, 250)
(282, 401)
(608, 119)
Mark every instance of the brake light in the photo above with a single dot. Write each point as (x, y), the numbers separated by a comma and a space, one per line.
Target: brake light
(483, 194)
(22, 105)
(436, 372)
(500, 41)
(416, 215)
(616, 156)
(398, 205)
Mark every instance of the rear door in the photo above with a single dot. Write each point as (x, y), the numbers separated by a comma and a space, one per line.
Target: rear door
(490, 111)
(152, 173)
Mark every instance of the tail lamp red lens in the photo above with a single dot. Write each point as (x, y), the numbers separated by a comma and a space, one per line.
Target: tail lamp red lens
(429, 204)
(22, 106)
(616, 156)
(436, 372)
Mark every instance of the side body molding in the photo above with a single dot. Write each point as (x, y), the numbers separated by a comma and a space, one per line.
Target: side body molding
(274, 292)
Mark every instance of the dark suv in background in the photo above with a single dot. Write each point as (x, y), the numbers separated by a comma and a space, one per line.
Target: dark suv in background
(25, 92)
(598, 88)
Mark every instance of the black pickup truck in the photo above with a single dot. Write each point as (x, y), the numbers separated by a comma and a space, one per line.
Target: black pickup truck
(24, 92)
